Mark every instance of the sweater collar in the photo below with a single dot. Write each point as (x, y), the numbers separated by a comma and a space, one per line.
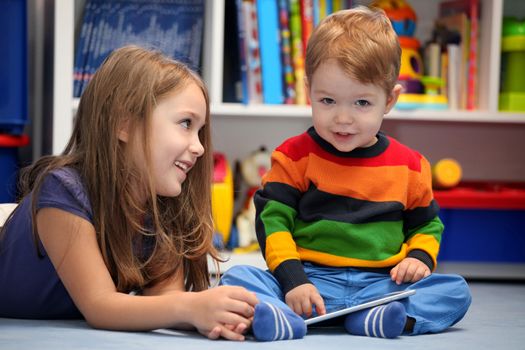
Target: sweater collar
(376, 149)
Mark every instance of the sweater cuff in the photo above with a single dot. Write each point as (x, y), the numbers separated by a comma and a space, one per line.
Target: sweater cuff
(290, 274)
(422, 256)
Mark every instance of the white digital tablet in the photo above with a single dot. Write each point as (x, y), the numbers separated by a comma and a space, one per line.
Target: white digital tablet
(386, 298)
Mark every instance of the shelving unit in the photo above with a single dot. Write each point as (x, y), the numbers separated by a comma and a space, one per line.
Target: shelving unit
(487, 143)
(490, 42)
(233, 121)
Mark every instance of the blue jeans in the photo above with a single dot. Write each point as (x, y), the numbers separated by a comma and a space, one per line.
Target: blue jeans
(441, 300)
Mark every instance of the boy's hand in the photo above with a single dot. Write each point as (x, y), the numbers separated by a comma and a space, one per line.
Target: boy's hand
(409, 270)
(301, 298)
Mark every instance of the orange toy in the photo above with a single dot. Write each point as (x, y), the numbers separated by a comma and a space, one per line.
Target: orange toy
(446, 173)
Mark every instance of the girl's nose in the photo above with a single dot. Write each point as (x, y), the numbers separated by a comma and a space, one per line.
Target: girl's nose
(196, 146)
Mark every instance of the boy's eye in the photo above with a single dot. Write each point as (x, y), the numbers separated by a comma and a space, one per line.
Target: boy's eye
(327, 101)
(362, 103)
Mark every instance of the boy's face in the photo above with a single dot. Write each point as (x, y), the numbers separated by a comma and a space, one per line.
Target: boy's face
(346, 113)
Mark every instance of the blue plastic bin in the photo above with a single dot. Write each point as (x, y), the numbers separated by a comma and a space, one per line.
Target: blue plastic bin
(13, 66)
(484, 222)
(9, 145)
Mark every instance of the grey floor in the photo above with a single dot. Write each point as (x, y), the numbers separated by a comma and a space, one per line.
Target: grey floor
(496, 320)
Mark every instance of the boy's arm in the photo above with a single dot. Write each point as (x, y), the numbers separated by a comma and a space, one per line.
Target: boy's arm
(423, 242)
(276, 208)
(423, 227)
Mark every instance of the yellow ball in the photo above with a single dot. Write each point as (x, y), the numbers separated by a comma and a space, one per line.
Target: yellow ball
(446, 173)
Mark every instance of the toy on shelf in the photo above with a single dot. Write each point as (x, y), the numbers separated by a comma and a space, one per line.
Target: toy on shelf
(512, 96)
(252, 169)
(446, 174)
(419, 92)
(222, 199)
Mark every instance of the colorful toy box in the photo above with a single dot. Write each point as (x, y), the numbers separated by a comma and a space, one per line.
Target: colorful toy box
(484, 222)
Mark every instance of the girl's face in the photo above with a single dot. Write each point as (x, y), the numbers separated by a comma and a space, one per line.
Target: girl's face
(175, 145)
(347, 113)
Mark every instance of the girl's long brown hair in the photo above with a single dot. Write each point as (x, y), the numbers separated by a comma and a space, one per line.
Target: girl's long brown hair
(125, 89)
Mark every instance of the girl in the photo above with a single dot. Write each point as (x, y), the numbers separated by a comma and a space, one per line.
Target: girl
(117, 229)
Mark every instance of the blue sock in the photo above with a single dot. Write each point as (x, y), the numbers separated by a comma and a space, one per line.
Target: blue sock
(271, 323)
(383, 321)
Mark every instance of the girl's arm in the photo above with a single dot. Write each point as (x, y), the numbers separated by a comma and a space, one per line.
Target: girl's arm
(71, 244)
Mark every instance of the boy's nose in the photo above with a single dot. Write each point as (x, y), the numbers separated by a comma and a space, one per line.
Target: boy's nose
(344, 116)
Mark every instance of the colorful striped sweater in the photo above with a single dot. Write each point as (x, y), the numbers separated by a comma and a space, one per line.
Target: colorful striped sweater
(369, 208)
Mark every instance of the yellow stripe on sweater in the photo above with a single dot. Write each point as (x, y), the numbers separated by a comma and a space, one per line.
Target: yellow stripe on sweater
(339, 261)
(280, 247)
(426, 243)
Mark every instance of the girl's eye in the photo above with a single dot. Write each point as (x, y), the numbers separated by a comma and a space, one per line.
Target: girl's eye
(327, 101)
(362, 103)
(186, 123)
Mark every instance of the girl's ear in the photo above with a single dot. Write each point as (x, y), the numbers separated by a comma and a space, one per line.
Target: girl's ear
(123, 130)
(392, 98)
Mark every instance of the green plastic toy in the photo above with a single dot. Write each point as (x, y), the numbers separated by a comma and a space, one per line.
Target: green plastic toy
(512, 96)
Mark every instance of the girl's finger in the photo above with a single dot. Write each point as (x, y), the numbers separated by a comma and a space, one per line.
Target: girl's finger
(215, 333)
(231, 335)
(241, 294)
(241, 308)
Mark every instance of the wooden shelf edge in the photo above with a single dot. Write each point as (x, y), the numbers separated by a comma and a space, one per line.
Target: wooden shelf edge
(236, 110)
(291, 111)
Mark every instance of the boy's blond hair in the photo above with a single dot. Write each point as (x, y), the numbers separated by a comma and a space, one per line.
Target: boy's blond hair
(362, 41)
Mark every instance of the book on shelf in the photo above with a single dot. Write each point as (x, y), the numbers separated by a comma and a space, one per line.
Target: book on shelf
(286, 53)
(307, 21)
(322, 8)
(173, 27)
(471, 9)
(459, 23)
(432, 54)
(271, 38)
(270, 46)
(252, 51)
(453, 75)
(338, 5)
(443, 73)
(297, 52)
(234, 84)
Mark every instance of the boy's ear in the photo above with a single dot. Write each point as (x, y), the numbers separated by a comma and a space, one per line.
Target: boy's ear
(392, 98)
(307, 87)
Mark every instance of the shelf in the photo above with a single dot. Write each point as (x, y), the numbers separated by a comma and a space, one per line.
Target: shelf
(292, 111)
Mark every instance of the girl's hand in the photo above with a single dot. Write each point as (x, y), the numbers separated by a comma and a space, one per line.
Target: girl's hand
(301, 298)
(409, 270)
(224, 311)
